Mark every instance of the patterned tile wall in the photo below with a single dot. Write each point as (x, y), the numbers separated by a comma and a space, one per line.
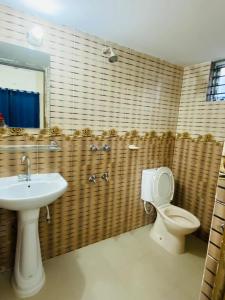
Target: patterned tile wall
(196, 115)
(139, 91)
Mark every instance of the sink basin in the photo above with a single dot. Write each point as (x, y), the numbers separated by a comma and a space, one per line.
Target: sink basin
(40, 191)
(26, 197)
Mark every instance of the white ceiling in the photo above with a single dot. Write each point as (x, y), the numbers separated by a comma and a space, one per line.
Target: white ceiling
(180, 31)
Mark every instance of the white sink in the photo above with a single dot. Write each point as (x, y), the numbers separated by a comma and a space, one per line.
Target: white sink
(27, 197)
(40, 191)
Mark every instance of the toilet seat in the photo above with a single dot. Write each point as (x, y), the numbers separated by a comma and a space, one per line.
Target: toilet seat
(163, 186)
(178, 219)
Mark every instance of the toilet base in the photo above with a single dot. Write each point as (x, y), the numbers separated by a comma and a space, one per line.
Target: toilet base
(172, 243)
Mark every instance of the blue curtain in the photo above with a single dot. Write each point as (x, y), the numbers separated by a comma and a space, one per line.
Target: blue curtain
(20, 108)
(4, 104)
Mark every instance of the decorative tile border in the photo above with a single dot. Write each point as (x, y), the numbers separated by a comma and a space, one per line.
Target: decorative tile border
(112, 133)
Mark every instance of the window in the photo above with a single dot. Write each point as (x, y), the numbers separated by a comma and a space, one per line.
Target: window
(216, 88)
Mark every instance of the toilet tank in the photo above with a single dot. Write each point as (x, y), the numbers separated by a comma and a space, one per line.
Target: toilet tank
(147, 184)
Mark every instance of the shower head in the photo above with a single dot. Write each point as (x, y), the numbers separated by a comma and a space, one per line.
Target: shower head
(112, 55)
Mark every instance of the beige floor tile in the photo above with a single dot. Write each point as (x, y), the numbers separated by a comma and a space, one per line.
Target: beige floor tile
(128, 267)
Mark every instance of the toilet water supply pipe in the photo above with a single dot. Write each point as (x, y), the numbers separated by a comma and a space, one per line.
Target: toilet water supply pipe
(148, 212)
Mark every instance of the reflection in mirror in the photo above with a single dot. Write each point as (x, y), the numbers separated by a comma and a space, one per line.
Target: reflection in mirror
(23, 82)
(21, 97)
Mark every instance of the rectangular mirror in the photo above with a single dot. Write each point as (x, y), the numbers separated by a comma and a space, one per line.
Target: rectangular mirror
(23, 76)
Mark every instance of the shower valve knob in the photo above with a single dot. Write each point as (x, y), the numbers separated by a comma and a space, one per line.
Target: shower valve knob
(106, 148)
(93, 147)
(105, 176)
(92, 178)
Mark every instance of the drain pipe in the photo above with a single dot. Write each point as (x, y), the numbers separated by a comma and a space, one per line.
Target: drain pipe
(48, 217)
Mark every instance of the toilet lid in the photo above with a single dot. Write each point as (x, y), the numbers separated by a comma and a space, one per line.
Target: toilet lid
(163, 186)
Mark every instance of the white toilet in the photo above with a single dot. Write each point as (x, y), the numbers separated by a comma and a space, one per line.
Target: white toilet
(172, 222)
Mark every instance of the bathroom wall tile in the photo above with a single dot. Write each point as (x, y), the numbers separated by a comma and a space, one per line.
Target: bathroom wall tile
(138, 92)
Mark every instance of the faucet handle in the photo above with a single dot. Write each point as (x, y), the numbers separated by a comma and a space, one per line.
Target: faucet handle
(106, 148)
(92, 178)
(93, 147)
(105, 176)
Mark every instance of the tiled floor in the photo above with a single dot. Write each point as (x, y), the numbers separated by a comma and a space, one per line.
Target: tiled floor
(128, 267)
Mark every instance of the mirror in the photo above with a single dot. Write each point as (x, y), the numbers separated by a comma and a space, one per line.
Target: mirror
(21, 97)
(23, 76)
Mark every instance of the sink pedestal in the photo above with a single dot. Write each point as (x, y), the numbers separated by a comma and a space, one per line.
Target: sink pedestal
(29, 276)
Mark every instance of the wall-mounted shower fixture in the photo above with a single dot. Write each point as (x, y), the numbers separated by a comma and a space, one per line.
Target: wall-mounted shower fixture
(92, 178)
(94, 147)
(112, 55)
(105, 176)
(106, 148)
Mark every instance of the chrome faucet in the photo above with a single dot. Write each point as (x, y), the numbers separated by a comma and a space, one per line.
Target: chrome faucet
(106, 148)
(92, 178)
(94, 148)
(25, 160)
(105, 176)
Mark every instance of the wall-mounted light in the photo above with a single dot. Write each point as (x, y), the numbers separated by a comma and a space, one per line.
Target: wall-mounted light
(35, 36)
